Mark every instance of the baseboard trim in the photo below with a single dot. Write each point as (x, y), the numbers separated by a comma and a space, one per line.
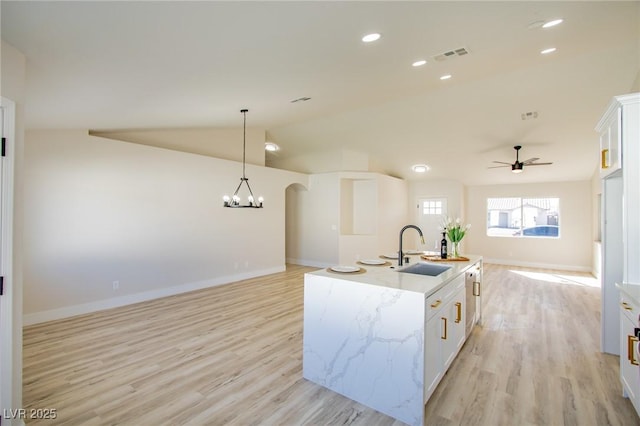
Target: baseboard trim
(100, 305)
(306, 262)
(572, 268)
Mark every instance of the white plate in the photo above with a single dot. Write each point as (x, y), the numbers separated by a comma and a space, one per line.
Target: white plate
(341, 268)
(390, 256)
(413, 252)
(373, 261)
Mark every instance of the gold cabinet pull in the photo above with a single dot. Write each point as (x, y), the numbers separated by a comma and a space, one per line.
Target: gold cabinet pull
(626, 306)
(630, 355)
(444, 336)
(604, 159)
(435, 305)
(476, 288)
(459, 312)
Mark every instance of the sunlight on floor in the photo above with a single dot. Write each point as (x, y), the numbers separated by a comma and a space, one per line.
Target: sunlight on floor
(580, 280)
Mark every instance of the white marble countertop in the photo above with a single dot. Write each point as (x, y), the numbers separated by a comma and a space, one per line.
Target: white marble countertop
(632, 291)
(388, 276)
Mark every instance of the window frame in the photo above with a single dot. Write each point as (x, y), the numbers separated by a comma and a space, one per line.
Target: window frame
(549, 205)
(432, 207)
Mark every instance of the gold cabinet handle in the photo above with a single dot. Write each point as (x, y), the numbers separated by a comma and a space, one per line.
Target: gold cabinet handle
(476, 288)
(626, 306)
(459, 312)
(435, 305)
(604, 157)
(444, 336)
(630, 356)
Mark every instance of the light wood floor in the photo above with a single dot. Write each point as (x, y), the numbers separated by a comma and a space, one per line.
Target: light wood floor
(233, 355)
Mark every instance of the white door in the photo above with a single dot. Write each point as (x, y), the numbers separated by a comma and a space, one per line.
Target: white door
(7, 120)
(430, 215)
(3, 324)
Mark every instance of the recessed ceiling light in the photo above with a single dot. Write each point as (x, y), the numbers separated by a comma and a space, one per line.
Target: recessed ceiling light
(552, 23)
(419, 63)
(445, 77)
(270, 146)
(535, 25)
(371, 37)
(549, 50)
(420, 168)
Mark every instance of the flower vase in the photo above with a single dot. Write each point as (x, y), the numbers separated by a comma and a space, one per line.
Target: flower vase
(455, 249)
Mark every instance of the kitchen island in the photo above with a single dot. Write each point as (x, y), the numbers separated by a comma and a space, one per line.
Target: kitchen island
(385, 338)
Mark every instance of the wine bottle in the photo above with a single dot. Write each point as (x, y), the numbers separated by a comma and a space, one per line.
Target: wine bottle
(443, 246)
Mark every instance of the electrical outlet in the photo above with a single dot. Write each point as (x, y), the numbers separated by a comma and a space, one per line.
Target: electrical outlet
(116, 285)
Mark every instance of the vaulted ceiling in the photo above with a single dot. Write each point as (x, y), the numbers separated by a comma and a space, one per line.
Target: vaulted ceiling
(180, 64)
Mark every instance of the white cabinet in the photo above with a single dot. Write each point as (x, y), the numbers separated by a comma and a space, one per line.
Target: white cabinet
(610, 141)
(454, 333)
(629, 368)
(433, 363)
(444, 331)
(619, 131)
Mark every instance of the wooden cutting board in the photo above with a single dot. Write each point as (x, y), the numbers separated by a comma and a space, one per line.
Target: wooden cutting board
(448, 259)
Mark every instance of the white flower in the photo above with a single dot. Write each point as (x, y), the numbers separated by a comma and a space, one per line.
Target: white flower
(455, 230)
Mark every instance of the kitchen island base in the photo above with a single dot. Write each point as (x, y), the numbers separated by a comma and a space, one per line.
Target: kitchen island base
(379, 337)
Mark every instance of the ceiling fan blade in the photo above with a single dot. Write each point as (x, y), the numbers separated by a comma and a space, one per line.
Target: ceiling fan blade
(530, 160)
(538, 164)
(502, 162)
(496, 167)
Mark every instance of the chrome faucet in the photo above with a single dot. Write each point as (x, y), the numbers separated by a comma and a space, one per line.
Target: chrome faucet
(402, 232)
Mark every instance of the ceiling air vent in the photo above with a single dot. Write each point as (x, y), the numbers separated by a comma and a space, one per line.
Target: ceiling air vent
(451, 54)
(529, 115)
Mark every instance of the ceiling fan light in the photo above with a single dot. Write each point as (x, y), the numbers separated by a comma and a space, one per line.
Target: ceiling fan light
(420, 168)
(517, 167)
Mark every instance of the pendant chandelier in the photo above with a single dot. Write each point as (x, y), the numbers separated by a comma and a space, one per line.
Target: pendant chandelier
(234, 201)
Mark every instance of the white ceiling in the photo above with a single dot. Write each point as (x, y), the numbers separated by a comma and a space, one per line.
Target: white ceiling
(128, 65)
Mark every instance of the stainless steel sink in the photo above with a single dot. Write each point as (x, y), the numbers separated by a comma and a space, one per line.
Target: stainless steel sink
(425, 269)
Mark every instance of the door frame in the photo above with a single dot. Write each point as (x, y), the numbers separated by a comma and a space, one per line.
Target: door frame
(7, 300)
(429, 242)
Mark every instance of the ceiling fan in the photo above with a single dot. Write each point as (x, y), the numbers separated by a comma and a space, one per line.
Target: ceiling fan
(518, 166)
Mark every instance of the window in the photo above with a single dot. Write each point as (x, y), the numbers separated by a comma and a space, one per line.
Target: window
(432, 207)
(523, 217)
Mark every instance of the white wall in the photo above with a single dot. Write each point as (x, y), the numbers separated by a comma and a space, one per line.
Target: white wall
(386, 217)
(214, 142)
(392, 200)
(322, 162)
(452, 190)
(99, 210)
(596, 232)
(313, 221)
(635, 87)
(573, 250)
(13, 76)
(315, 232)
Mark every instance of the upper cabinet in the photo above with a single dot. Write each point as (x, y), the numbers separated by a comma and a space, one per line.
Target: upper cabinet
(619, 161)
(610, 140)
(619, 131)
